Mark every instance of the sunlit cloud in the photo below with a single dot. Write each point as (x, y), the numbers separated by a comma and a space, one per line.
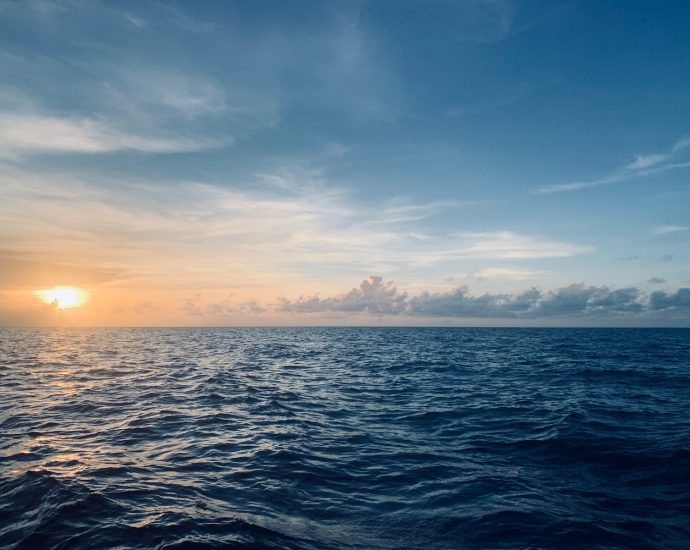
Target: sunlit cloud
(223, 233)
(64, 297)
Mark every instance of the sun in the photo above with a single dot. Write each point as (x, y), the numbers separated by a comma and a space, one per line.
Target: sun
(64, 297)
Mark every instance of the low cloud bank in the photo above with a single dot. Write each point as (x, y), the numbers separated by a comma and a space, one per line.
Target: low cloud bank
(379, 297)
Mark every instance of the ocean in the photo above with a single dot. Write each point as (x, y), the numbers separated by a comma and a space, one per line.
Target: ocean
(312, 438)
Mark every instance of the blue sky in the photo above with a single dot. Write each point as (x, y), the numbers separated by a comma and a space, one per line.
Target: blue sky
(249, 162)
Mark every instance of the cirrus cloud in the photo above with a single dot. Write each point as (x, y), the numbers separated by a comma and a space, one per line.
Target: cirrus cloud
(37, 133)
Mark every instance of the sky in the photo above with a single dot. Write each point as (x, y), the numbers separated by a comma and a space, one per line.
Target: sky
(430, 162)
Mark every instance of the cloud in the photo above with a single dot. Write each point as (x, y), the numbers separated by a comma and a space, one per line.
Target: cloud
(188, 95)
(459, 303)
(32, 133)
(179, 231)
(399, 210)
(17, 271)
(578, 299)
(646, 161)
(666, 229)
(643, 165)
(223, 308)
(679, 300)
(515, 273)
(373, 295)
(656, 281)
(510, 245)
(377, 297)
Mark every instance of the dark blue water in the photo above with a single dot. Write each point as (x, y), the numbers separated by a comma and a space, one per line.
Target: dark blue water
(344, 438)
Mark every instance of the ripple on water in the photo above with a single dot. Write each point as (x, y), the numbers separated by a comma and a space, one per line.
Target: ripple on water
(344, 438)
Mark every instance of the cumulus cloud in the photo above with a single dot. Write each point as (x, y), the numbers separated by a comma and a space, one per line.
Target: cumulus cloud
(579, 299)
(576, 299)
(460, 303)
(679, 300)
(373, 295)
(378, 297)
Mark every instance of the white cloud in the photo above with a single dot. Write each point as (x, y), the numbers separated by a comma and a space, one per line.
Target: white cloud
(214, 233)
(34, 133)
(513, 273)
(643, 165)
(666, 229)
(510, 245)
(645, 161)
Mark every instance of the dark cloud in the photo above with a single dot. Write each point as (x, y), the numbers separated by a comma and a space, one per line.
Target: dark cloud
(372, 295)
(679, 300)
(577, 300)
(458, 303)
(656, 281)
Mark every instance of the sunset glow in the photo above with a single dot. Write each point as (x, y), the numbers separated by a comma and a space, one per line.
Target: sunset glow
(64, 297)
(434, 163)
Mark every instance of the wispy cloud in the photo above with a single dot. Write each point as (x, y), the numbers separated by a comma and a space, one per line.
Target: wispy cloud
(643, 165)
(224, 232)
(35, 133)
(511, 245)
(188, 95)
(513, 273)
(666, 229)
(20, 271)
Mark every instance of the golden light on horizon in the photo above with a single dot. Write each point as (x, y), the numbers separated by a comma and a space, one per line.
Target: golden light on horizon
(64, 297)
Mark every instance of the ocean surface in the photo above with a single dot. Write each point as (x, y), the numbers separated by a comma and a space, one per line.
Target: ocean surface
(344, 438)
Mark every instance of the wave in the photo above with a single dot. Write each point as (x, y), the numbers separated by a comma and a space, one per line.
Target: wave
(344, 438)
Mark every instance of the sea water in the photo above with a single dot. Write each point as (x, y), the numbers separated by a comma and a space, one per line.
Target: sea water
(344, 438)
